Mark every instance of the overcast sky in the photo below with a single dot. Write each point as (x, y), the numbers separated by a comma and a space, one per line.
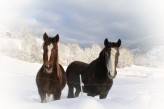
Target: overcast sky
(87, 21)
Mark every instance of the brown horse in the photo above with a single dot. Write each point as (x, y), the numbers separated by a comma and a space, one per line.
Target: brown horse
(51, 77)
(97, 76)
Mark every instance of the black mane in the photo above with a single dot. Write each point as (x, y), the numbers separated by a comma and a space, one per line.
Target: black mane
(101, 69)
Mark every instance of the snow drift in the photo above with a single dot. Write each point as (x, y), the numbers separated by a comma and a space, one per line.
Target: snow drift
(134, 88)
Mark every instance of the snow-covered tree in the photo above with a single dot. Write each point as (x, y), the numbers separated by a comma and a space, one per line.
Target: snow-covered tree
(30, 47)
(73, 52)
(76, 52)
(64, 54)
(141, 59)
(91, 53)
(31, 50)
(125, 58)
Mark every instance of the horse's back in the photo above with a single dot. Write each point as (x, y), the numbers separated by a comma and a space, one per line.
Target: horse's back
(74, 69)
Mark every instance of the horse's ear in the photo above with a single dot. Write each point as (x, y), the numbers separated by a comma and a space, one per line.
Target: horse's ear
(106, 42)
(56, 39)
(45, 37)
(119, 43)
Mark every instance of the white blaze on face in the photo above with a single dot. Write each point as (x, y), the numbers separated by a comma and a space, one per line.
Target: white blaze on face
(49, 47)
(111, 62)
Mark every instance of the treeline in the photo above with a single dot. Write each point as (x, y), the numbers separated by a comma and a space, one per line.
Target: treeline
(30, 49)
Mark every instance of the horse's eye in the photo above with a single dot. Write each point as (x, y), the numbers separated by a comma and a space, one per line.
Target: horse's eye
(107, 53)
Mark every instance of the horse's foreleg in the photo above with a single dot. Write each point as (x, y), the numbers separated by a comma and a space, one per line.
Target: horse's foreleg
(57, 95)
(42, 96)
(77, 92)
(103, 95)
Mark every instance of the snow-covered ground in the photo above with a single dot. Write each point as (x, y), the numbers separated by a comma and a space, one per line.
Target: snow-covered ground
(135, 87)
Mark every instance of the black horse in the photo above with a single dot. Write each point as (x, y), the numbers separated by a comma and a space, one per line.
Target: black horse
(97, 76)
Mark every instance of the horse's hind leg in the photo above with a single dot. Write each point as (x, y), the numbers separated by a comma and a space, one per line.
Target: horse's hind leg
(70, 90)
(77, 92)
(90, 94)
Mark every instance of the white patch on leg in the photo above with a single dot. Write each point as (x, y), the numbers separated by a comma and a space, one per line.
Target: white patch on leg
(49, 47)
(47, 97)
(44, 101)
(111, 62)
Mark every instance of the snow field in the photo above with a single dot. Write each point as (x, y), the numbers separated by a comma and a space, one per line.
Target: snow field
(135, 87)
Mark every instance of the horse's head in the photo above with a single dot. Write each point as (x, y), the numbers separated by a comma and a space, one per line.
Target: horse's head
(111, 56)
(50, 52)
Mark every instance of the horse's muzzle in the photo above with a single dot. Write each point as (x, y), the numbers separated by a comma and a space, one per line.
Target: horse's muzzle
(112, 77)
(48, 68)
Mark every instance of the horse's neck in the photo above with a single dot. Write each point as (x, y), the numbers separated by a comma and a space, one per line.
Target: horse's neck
(101, 63)
(101, 69)
(57, 66)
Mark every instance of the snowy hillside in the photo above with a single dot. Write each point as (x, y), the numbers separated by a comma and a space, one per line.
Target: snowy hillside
(134, 88)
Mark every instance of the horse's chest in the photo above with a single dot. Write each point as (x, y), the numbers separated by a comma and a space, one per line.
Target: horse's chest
(97, 87)
(49, 85)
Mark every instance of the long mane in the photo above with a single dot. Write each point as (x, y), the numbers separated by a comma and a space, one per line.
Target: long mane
(101, 69)
(59, 73)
